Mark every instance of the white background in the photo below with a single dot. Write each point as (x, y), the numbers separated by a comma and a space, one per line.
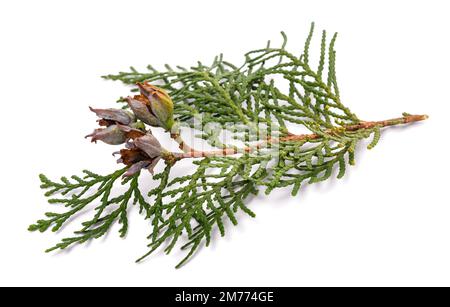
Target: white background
(386, 223)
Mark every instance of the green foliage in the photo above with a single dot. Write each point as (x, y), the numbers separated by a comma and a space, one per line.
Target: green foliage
(190, 208)
(105, 215)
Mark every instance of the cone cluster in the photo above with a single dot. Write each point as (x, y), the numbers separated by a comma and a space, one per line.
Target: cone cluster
(142, 150)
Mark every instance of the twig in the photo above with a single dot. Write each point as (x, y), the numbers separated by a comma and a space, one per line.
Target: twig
(189, 152)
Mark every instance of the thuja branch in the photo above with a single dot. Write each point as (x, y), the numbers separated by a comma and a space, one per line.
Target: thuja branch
(256, 102)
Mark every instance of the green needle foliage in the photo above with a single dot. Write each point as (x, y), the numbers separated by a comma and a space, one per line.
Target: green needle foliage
(271, 91)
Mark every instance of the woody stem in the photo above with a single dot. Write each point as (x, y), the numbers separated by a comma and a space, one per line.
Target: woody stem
(189, 152)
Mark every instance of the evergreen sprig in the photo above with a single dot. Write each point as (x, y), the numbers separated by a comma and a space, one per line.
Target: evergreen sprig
(252, 98)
